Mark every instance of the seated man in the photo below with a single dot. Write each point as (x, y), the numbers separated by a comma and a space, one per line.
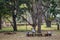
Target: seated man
(29, 34)
(49, 32)
(33, 31)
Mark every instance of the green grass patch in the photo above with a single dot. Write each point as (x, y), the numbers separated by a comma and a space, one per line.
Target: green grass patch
(25, 28)
(6, 29)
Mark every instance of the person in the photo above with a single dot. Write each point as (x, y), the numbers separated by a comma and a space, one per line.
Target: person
(49, 33)
(33, 31)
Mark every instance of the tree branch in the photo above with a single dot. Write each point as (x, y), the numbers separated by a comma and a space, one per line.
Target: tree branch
(9, 21)
(26, 20)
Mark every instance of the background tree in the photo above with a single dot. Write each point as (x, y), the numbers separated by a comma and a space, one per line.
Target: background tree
(3, 11)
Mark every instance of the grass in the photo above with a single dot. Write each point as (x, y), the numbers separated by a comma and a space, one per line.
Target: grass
(6, 29)
(24, 28)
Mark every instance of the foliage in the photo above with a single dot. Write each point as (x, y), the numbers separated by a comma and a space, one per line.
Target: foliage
(53, 6)
(52, 10)
(4, 10)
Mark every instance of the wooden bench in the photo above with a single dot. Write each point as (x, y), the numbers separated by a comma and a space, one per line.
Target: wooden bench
(33, 34)
(39, 34)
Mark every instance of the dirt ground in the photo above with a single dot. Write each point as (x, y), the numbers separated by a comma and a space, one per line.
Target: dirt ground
(22, 36)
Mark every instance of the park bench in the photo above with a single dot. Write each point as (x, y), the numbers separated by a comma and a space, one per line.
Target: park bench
(39, 34)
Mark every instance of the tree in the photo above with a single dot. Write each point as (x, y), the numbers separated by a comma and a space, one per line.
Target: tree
(49, 14)
(3, 11)
(33, 13)
(31, 8)
(14, 12)
(8, 7)
(0, 21)
(39, 12)
(52, 15)
(1, 6)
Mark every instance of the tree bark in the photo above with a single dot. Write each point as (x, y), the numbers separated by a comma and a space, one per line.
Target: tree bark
(34, 23)
(57, 26)
(14, 12)
(39, 9)
(48, 23)
(14, 22)
(39, 23)
(34, 12)
(0, 22)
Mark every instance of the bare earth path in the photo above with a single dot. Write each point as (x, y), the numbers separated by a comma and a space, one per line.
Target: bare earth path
(22, 36)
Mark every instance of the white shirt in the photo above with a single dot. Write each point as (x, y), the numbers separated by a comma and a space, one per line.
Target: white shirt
(33, 30)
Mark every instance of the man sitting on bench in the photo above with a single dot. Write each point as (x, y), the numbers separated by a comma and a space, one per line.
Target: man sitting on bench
(32, 33)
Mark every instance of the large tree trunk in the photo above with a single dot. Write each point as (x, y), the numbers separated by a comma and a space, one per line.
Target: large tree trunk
(14, 22)
(34, 23)
(39, 9)
(39, 23)
(0, 22)
(14, 12)
(48, 23)
(34, 12)
(58, 24)
(58, 27)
